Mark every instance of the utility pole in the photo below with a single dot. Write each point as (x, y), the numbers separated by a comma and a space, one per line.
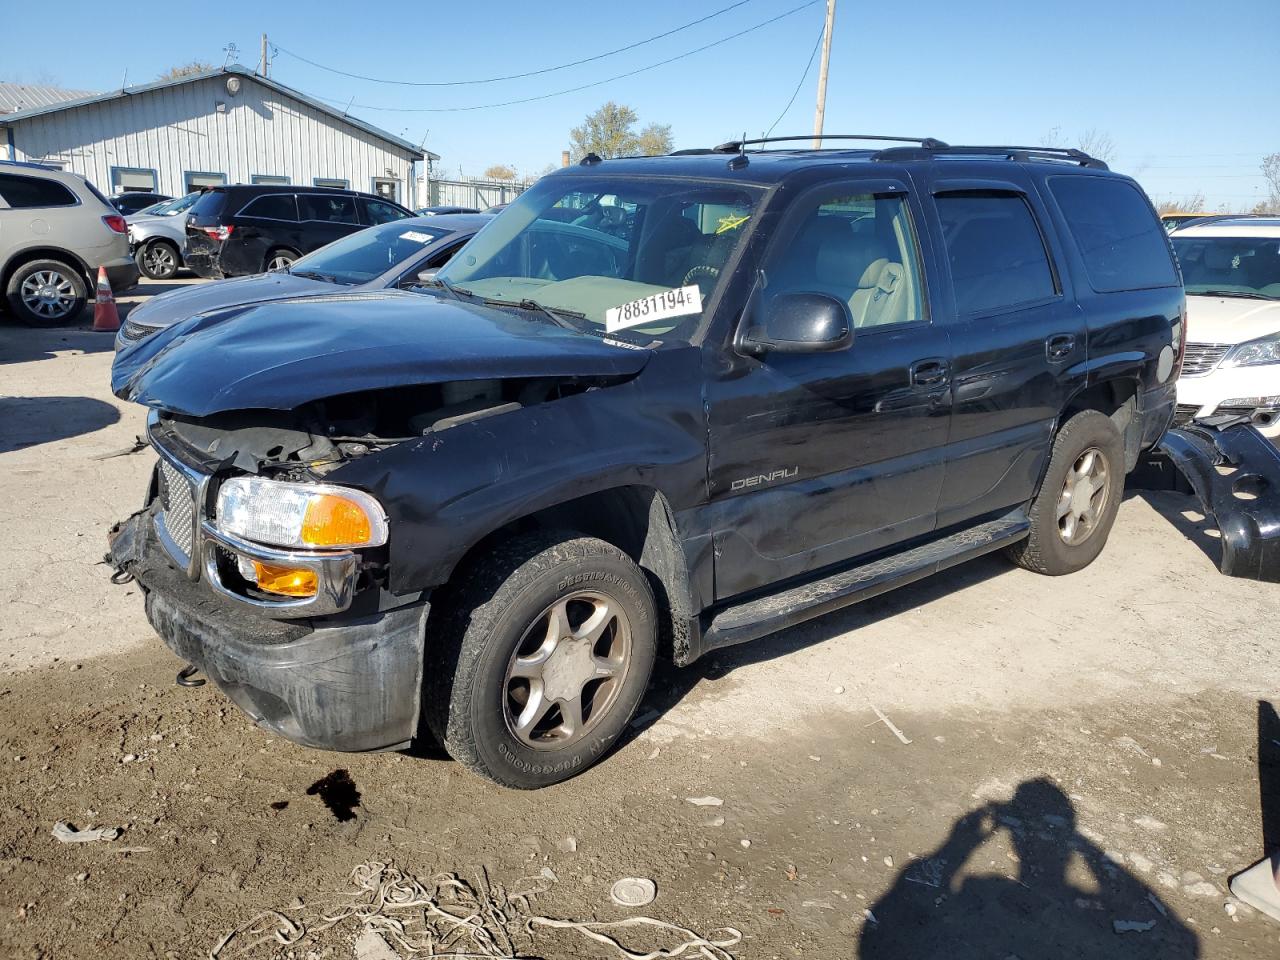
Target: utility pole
(262, 66)
(821, 108)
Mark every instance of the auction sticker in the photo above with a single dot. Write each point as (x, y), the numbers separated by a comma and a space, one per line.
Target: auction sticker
(416, 237)
(680, 302)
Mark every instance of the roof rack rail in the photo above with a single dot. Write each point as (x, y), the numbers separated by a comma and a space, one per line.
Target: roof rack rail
(927, 152)
(737, 146)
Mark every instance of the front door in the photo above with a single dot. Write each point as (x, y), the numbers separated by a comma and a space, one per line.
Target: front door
(821, 457)
(326, 217)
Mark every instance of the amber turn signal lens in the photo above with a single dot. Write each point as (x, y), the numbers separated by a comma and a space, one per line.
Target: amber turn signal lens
(287, 581)
(333, 521)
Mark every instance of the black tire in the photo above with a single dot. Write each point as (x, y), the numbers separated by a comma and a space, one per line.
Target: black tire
(1049, 549)
(278, 256)
(496, 612)
(67, 280)
(158, 260)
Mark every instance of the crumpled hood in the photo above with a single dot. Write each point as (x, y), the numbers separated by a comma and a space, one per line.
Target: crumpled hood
(282, 354)
(174, 305)
(1230, 319)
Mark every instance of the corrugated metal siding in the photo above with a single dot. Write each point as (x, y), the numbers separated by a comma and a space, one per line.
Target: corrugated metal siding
(26, 96)
(179, 129)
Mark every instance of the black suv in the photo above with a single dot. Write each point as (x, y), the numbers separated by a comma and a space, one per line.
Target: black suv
(238, 230)
(777, 382)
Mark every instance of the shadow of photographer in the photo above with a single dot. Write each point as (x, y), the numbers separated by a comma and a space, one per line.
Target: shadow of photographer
(1067, 899)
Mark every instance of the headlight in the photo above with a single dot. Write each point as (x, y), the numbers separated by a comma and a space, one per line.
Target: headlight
(1252, 353)
(300, 514)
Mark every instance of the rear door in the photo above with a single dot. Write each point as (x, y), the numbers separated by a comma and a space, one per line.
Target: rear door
(1018, 339)
(325, 217)
(266, 223)
(818, 458)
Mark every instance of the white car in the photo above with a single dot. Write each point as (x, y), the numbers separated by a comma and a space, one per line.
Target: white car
(1231, 269)
(158, 236)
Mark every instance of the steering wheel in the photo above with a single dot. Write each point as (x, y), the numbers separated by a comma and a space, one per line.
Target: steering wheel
(702, 272)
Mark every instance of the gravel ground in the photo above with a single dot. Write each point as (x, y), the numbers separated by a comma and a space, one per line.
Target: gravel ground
(985, 764)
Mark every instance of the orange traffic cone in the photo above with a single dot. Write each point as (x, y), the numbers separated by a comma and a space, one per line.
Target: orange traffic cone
(105, 317)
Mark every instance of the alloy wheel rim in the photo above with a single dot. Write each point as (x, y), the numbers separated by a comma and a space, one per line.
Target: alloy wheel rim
(1084, 497)
(279, 262)
(567, 671)
(48, 294)
(160, 259)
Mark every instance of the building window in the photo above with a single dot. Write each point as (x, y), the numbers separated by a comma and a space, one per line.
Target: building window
(331, 182)
(269, 179)
(387, 188)
(131, 179)
(196, 179)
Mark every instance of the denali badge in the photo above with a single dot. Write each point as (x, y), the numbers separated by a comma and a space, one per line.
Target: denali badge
(764, 478)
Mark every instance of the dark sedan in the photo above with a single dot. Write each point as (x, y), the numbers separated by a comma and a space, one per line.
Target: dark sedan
(386, 256)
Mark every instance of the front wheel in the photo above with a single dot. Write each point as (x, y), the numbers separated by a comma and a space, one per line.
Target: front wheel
(549, 648)
(1072, 515)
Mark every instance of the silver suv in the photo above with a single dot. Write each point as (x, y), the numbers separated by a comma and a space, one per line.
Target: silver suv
(56, 229)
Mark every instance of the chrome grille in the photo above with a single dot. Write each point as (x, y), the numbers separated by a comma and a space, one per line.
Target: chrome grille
(177, 497)
(1200, 358)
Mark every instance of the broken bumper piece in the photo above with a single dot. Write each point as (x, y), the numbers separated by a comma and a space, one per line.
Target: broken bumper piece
(337, 683)
(1235, 471)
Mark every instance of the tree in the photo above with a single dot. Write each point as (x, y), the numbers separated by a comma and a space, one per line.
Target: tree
(610, 132)
(654, 140)
(1095, 142)
(1271, 170)
(500, 171)
(186, 70)
(1191, 204)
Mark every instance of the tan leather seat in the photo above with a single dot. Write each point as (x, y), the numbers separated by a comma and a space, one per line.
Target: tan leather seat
(883, 299)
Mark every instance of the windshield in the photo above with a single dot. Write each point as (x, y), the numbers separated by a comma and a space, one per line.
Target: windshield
(1230, 266)
(609, 252)
(361, 256)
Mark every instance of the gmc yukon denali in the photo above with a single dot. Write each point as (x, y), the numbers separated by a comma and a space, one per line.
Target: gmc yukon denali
(657, 406)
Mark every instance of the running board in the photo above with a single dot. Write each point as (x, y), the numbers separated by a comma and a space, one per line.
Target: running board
(764, 615)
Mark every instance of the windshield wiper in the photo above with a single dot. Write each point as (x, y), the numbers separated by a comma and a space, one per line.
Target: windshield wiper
(315, 275)
(556, 316)
(458, 293)
(1229, 293)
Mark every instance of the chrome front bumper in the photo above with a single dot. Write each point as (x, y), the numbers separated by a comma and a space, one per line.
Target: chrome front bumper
(188, 532)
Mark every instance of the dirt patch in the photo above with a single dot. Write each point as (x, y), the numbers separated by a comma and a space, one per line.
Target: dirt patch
(990, 830)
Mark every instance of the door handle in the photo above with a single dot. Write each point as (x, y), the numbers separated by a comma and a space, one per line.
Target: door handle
(930, 373)
(1059, 346)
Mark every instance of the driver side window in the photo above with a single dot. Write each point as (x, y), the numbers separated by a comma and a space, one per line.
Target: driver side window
(855, 247)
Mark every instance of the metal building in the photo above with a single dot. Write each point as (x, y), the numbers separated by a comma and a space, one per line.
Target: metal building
(229, 125)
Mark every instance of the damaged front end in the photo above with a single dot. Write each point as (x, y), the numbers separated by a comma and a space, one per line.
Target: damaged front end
(1235, 472)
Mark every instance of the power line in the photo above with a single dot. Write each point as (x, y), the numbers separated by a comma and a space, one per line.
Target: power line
(803, 77)
(515, 76)
(585, 86)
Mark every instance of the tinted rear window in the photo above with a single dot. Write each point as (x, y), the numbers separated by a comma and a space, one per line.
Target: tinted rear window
(997, 254)
(26, 192)
(273, 206)
(209, 205)
(1120, 239)
(327, 208)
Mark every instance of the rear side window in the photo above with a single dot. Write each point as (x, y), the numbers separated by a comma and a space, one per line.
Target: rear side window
(26, 192)
(997, 255)
(1120, 239)
(377, 211)
(327, 208)
(209, 205)
(272, 206)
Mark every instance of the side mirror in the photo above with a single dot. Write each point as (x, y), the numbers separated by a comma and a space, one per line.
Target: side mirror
(426, 276)
(799, 323)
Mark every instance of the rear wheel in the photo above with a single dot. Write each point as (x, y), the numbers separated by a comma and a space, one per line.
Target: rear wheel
(1072, 515)
(550, 645)
(158, 260)
(46, 293)
(279, 259)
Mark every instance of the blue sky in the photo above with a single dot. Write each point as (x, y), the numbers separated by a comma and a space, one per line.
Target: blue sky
(1187, 97)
